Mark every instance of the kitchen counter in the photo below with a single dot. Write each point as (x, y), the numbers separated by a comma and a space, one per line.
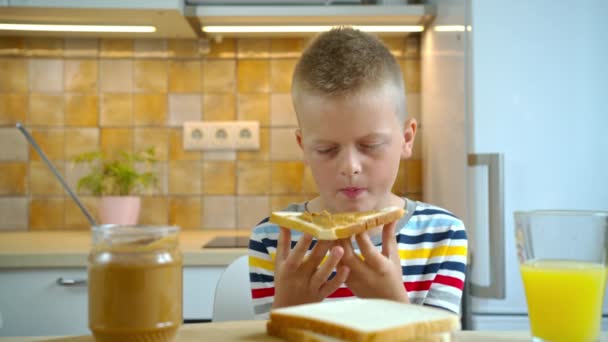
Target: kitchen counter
(70, 249)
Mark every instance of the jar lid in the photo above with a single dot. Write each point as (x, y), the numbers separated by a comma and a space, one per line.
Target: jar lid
(134, 236)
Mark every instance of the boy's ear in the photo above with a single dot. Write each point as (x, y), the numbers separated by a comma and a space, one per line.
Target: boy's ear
(299, 137)
(409, 135)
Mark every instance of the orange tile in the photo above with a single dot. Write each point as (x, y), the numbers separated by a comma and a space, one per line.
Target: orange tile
(254, 107)
(13, 73)
(154, 210)
(114, 140)
(44, 46)
(13, 108)
(309, 186)
(183, 48)
(150, 75)
(185, 212)
(281, 71)
(413, 175)
(400, 185)
(283, 144)
(251, 210)
(12, 46)
(116, 109)
(287, 178)
(219, 107)
(253, 48)
(411, 74)
(219, 177)
(219, 76)
(150, 109)
(47, 213)
(80, 75)
(184, 76)
(281, 110)
(116, 48)
(46, 110)
(253, 177)
(185, 177)
(52, 142)
(282, 202)
(153, 137)
(253, 76)
(176, 147)
(14, 178)
(263, 153)
(43, 181)
(286, 47)
(81, 140)
(396, 45)
(46, 75)
(219, 212)
(81, 47)
(74, 218)
(81, 110)
(116, 75)
(223, 49)
(150, 48)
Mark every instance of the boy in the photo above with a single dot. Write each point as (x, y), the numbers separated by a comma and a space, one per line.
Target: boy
(349, 99)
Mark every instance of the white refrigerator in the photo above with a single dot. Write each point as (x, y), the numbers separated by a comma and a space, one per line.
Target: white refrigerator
(514, 116)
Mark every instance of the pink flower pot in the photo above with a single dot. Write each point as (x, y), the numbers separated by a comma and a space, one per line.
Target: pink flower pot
(119, 209)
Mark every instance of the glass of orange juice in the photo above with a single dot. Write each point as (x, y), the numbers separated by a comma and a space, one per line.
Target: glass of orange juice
(563, 264)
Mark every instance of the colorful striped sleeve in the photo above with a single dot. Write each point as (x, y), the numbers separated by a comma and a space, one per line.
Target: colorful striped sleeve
(262, 247)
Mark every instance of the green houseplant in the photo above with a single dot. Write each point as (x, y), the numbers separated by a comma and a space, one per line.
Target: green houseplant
(118, 181)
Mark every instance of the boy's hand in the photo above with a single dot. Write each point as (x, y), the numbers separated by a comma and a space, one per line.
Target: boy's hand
(300, 280)
(379, 275)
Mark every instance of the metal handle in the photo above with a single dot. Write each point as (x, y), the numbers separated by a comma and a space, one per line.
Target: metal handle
(494, 162)
(71, 282)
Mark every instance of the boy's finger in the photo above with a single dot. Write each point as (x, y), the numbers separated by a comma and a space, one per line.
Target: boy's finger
(319, 251)
(283, 244)
(389, 242)
(299, 251)
(325, 270)
(368, 250)
(350, 258)
(332, 285)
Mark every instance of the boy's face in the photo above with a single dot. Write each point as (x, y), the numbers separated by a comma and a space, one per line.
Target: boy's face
(353, 146)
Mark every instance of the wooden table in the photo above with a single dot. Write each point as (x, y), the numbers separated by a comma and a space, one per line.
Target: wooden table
(253, 331)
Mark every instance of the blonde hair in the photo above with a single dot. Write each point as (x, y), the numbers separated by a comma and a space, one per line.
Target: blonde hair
(345, 61)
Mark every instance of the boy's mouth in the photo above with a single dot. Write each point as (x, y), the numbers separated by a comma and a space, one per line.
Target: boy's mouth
(352, 192)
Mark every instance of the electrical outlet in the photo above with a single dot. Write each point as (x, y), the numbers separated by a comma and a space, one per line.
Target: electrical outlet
(221, 135)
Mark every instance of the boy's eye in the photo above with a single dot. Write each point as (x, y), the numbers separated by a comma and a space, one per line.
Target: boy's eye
(371, 146)
(326, 150)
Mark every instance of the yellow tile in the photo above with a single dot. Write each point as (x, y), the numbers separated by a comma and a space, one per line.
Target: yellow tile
(114, 140)
(183, 48)
(150, 109)
(253, 76)
(43, 181)
(286, 47)
(176, 147)
(219, 107)
(250, 210)
(219, 177)
(219, 76)
(263, 153)
(254, 107)
(116, 75)
(253, 177)
(219, 212)
(281, 71)
(287, 178)
(80, 75)
(153, 137)
(400, 185)
(253, 48)
(13, 109)
(46, 213)
(46, 110)
(413, 175)
(282, 202)
(44, 46)
(81, 140)
(12, 46)
(308, 182)
(396, 45)
(116, 109)
(74, 218)
(81, 110)
(184, 76)
(185, 212)
(154, 210)
(13, 73)
(150, 48)
(150, 75)
(46, 75)
(14, 177)
(51, 141)
(185, 177)
(81, 47)
(224, 49)
(116, 48)
(411, 74)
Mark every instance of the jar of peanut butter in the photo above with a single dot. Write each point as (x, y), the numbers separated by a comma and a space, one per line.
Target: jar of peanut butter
(135, 283)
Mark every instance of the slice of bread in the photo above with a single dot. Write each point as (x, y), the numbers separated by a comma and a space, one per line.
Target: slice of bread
(361, 320)
(327, 226)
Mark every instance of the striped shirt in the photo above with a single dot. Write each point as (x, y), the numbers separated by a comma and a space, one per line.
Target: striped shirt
(432, 246)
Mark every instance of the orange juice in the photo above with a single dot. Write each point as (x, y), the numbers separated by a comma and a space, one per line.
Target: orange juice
(564, 299)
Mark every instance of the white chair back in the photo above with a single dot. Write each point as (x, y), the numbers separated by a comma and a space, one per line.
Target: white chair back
(232, 300)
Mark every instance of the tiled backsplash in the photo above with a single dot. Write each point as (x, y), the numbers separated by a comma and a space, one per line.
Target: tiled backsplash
(78, 95)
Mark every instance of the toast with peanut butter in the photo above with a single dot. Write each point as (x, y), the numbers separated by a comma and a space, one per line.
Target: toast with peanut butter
(332, 226)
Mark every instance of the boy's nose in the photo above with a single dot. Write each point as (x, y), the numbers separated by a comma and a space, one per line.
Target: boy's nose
(350, 165)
